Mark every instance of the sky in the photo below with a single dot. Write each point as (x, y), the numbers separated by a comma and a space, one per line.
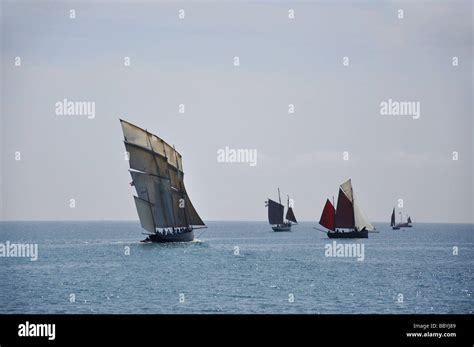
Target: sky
(283, 61)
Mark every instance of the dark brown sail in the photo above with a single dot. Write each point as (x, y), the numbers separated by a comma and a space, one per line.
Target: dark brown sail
(344, 212)
(392, 220)
(290, 215)
(275, 212)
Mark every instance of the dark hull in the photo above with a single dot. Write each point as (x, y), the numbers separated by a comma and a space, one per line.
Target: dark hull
(364, 234)
(402, 225)
(281, 227)
(182, 237)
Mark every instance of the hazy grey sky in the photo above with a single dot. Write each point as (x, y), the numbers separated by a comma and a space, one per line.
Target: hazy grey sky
(283, 61)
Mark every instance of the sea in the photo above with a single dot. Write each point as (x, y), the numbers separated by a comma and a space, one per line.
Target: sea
(237, 267)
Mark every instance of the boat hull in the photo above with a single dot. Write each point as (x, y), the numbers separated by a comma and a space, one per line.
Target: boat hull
(401, 225)
(363, 234)
(186, 236)
(281, 227)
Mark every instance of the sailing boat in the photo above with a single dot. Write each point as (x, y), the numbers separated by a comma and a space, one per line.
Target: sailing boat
(402, 224)
(348, 215)
(275, 214)
(164, 208)
(392, 221)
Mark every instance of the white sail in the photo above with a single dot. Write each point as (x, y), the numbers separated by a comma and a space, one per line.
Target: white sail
(347, 189)
(360, 220)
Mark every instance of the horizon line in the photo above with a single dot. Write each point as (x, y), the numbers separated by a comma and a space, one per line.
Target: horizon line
(215, 220)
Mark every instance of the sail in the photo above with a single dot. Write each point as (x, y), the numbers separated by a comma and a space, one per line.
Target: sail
(328, 216)
(360, 220)
(145, 214)
(344, 212)
(275, 212)
(392, 219)
(157, 191)
(351, 215)
(143, 160)
(290, 215)
(192, 215)
(179, 205)
(347, 189)
(158, 179)
(140, 137)
(409, 220)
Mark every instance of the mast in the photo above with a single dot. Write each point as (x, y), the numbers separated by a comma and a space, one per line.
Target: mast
(334, 206)
(353, 203)
(279, 198)
(181, 186)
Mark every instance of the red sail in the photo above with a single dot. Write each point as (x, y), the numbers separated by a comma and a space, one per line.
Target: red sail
(328, 216)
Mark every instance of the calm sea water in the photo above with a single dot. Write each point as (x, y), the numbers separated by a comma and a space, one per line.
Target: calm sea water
(88, 259)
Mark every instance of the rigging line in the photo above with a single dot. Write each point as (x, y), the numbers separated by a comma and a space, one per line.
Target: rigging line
(320, 230)
(202, 232)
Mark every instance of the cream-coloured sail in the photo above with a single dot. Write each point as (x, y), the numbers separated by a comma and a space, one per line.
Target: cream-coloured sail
(360, 219)
(347, 189)
(143, 138)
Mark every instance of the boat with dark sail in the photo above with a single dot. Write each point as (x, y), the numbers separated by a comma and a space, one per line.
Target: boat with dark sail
(402, 224)
(393, 224)
(275, 214)
(163, 205)
(347, 221)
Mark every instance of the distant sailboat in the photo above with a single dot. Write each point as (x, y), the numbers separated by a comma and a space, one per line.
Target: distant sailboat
(392, 221)
(275, 214)
(164, 208)
(348, 215)
(402, 224)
